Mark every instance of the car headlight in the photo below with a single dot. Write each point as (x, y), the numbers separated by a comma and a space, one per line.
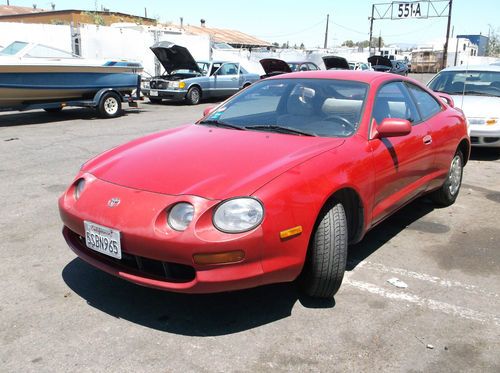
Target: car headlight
(79, 186)
(238, 215)
(177, 84)
(180, 216)
(145, 85)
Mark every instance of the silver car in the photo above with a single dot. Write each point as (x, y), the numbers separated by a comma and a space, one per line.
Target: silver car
(188, 80)
(476, 90)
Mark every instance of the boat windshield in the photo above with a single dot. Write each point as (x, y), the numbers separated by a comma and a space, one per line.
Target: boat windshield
(13, 48)
(480, 83)
(43, 51)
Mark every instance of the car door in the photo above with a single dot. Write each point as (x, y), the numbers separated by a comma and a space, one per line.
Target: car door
(227, 79)
(401, 163)
(441, 127)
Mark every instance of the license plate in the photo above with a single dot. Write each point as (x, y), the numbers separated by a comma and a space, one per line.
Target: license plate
(103, 239)
(153, 92)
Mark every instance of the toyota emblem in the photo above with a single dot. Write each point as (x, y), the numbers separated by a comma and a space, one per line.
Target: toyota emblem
(113, 202)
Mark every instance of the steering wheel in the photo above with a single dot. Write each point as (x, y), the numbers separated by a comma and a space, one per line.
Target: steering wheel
(348, 126)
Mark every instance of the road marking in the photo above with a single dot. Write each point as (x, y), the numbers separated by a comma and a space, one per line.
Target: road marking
(450, 309)
(423, 277)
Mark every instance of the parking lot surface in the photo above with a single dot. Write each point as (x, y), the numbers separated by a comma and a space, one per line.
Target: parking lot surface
(59, 314)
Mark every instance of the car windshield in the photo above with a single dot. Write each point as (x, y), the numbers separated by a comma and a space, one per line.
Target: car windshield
(294, 66)
(311, 107)
(13, 48)
(481, 83)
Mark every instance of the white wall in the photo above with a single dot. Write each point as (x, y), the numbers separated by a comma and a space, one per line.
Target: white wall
(57, 36)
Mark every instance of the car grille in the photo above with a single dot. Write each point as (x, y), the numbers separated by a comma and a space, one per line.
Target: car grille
(144, 267)
(152, 84)
(474, 140)
(489, 140)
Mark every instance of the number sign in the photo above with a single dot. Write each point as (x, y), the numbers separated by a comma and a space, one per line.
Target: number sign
(410, 9)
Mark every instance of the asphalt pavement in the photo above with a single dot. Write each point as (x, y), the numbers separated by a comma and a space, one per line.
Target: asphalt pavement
(421, 292)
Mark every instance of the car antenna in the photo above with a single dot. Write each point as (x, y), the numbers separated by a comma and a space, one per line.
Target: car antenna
(465, 82)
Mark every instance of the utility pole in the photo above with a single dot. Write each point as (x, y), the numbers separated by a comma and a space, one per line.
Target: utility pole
(326, 32)
(445, 52)
(371, 31)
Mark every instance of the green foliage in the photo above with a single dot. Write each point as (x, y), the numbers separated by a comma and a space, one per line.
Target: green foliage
(493, 49)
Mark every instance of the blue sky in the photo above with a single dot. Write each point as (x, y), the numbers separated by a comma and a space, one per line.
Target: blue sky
(300, 21)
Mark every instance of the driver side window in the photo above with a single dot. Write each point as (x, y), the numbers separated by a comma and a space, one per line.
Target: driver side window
(228, 69)
(393, 101)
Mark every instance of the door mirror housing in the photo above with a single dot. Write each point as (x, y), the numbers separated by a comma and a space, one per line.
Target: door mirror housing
(447, 99)
(392, 127)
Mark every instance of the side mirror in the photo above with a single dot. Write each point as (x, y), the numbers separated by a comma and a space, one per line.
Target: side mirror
(392, 127)
(447, 99)
(208, 110)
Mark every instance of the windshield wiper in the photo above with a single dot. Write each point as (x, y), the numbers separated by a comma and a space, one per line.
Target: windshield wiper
(476, 93)
(280, 129)
(218, 123)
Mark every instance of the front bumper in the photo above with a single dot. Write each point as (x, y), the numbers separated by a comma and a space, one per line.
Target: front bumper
(483, 136)
(168, 94)
(155, 255)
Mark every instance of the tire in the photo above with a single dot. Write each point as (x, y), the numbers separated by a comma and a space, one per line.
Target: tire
(110, 105)
(246, 85)
(53, 110)
(448, 193)
(193, 96)
(155, 100)
(326, 259)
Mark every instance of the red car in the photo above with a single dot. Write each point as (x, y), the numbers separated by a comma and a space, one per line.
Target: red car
(270, 186)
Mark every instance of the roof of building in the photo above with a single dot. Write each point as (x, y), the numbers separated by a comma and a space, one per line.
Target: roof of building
(10, 10)
(232, 37)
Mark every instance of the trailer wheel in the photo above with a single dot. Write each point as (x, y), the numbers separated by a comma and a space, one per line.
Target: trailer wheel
(53, 109)
(110, 105)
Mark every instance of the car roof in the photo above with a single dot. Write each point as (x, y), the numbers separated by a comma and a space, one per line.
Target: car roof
(473, 68)
(300, 62)
(359, 76)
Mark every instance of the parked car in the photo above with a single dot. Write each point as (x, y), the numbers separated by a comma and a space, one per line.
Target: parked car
(476, 90)
(270, 186)
(384, 64)
(274, 66)
(335, 63)
(303, 66)
(354, 65)
(191, 81)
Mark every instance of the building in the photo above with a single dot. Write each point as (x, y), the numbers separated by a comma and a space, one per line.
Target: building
(480, 40)
(234, 38)
(69, 16)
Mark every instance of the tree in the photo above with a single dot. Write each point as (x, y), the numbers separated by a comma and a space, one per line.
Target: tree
(348, 43)
(302, 46)
(377, 41)
(493, 48)
(276, 44)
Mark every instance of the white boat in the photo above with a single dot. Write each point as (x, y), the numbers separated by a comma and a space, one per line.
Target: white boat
(33, 73)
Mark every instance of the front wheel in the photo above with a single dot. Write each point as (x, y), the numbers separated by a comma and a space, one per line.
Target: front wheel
(110, 105)
(448, 193)
(193, 96)
(326, 259)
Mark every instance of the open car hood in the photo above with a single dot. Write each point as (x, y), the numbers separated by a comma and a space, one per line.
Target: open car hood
(274, 66)
(335, 62)
(174, 57)
(380, 61)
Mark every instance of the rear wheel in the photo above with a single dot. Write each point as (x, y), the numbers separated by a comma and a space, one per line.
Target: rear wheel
(193, 96)
(110, 105)
(326, 259)
(448, 193)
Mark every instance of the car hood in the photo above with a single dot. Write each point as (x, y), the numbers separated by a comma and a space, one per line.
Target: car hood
(478, 106)
(210, 162)
(275, 66)
(384, 63)
(174, 57)
(334, 62)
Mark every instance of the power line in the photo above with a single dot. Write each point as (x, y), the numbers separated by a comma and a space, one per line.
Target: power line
(292, 33)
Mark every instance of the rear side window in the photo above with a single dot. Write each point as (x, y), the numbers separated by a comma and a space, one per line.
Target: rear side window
(426, 104)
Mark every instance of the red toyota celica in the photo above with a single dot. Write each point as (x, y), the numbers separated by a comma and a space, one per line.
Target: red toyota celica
(270, 186)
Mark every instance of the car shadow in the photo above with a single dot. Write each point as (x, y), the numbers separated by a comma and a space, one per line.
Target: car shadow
(185, 314)
(223, 313)
(39, 116)
(485, 154)
(407, 217)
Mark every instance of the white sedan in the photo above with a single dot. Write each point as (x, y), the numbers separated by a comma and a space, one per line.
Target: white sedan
(476, 90)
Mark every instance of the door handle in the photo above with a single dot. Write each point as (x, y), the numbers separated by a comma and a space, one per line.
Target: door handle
(234, 78)
(427, 139)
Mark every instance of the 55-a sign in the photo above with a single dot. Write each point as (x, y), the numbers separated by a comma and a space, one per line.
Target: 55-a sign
(409, 9)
